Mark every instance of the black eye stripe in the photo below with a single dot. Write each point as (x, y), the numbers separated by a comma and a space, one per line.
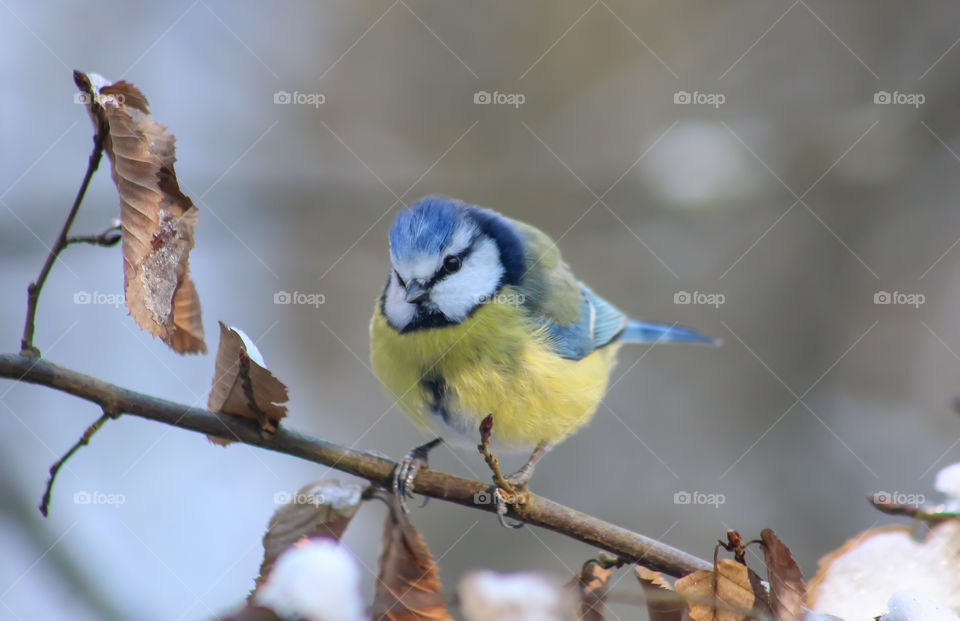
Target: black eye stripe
(399, 279)
(442, 273)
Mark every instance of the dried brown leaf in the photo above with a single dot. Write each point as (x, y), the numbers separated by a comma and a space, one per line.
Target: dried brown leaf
(787, 591)
(591, 584)
(723, 594)
(320, 509)
(242, 386)
(663, 604)
(157, 219)
(408, 582)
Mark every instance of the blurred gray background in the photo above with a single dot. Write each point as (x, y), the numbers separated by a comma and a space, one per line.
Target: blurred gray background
(787, 189)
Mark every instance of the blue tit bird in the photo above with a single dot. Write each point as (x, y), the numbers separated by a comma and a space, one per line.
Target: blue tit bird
(480, 315)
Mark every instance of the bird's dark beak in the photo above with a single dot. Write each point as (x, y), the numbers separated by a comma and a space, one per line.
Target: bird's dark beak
(416, 292)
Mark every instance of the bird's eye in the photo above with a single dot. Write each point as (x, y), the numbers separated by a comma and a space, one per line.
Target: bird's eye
(451, 264)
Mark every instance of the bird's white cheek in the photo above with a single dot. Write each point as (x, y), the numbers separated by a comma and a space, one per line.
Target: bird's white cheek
(459, 293)
(398, 311)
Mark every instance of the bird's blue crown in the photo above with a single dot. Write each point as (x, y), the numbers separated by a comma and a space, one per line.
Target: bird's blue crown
(427, 227)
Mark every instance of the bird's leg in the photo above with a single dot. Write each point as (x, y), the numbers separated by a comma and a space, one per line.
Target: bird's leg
(510, 490)
(406, 471)
(517, 486)
(521, 477)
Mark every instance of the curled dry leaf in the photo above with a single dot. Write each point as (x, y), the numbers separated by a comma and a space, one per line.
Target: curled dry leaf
(663, 604)
(787, 590)
(857, 580)
(408, 582)
(157, 219)
(320, 509)
(591, 584)
(242, 385)
(727, 593)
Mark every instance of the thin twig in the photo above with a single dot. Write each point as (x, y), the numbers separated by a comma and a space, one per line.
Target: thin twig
(110, 237)
(538, 511)
(55, 468)
(931, 515)
(27, 347)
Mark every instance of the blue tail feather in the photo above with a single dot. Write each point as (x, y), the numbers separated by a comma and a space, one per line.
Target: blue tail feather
(647, 332)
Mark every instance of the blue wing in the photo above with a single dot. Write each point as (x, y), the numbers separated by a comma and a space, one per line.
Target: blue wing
(601, 323)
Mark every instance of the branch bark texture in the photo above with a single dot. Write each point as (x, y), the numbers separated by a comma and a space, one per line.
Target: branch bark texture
(538, 511)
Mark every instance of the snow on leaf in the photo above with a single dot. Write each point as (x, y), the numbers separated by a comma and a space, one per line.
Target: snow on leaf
(157, 219)
(322, 509)
(520, 596)
(317, 581)
(909, 605)
(857, 580)
(948, 483)
(242, 386)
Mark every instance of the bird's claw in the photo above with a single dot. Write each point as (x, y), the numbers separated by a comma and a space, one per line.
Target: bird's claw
(503, 499)
(406, 472)
(514, 494)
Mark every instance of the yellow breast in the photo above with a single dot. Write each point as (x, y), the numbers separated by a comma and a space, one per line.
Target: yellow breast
(496, 361)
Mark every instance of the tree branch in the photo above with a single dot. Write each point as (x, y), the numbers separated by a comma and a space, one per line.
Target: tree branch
(538, 511)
